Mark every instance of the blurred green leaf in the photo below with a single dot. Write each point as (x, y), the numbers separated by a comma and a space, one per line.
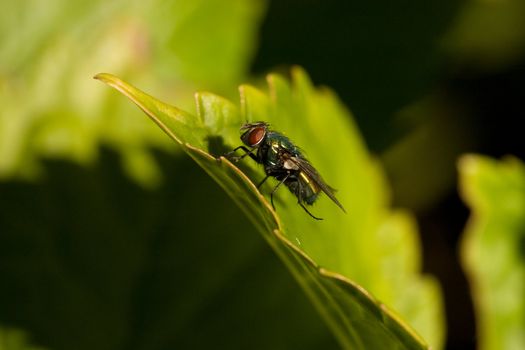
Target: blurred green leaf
(372, 245)
(15, 339)
(46, 51)
(91, 260)
(421, 166)
(488, 34)
(493, 248)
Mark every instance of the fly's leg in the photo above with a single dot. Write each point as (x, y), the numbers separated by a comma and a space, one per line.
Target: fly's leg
(276, 187)
(263, 180)
(300, 202)
(306, 210)
(230, 155)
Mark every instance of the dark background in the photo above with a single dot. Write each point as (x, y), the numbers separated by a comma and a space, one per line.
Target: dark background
(381, 56)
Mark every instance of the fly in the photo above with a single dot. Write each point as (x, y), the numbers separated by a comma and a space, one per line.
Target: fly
(285, 162)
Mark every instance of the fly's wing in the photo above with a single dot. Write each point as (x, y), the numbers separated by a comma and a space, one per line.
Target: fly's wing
(310, 171)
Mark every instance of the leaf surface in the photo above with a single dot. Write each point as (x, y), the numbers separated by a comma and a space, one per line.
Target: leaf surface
(371, 245)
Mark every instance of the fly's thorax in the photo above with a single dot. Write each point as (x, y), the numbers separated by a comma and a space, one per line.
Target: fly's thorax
(266, 156)
(279, 141)
(273, 150)
(278, 144)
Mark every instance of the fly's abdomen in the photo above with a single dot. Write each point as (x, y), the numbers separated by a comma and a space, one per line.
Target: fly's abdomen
(310, 188)
(303, 188)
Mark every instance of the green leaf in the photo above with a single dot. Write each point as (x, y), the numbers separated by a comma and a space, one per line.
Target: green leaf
(488, 35)
(141, 266)
(371, 245)
(49, 109)
(493, 248)
(15, 339)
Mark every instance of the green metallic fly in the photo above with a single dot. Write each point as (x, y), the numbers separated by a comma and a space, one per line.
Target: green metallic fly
(285, 162)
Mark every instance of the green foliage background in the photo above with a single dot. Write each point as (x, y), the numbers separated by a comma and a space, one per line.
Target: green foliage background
(111, 238)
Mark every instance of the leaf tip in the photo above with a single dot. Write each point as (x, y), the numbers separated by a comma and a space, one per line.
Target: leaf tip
(107, 78)
(101, 76)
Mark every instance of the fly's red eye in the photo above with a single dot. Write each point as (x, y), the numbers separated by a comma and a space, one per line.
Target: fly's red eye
(256, 135)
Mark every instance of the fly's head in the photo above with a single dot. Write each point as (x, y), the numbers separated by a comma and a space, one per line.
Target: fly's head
(254, 134)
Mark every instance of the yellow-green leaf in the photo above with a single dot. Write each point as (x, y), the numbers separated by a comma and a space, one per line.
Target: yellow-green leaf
(334, 260)
(493, 249)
